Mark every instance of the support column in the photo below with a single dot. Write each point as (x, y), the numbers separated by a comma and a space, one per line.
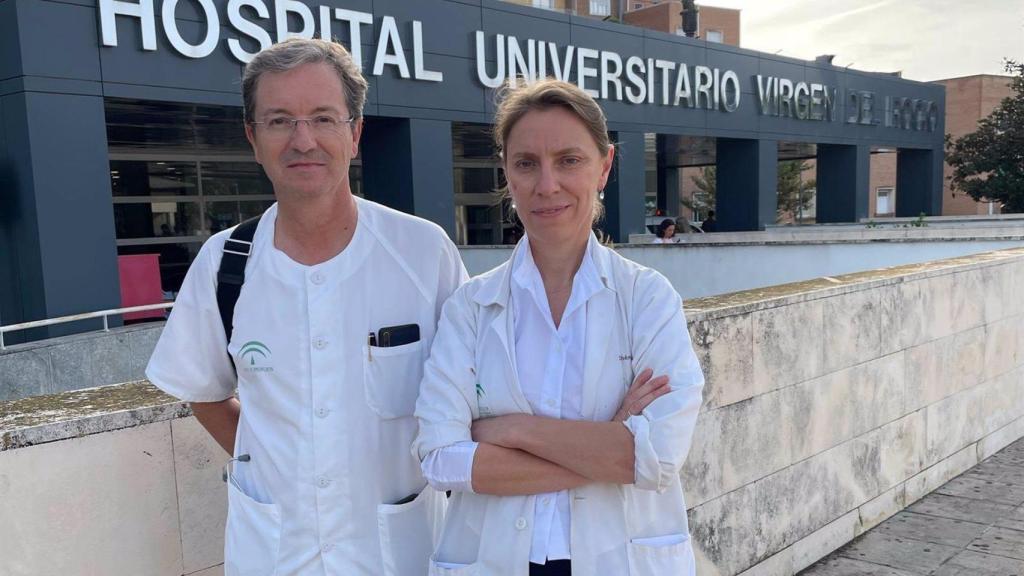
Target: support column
(624, 194)
(747, 177)
(668, 175)
(918, 182)
(57, 212)
(407, 165)
(843, 181)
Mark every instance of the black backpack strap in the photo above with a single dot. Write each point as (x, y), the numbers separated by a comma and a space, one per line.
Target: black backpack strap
(231, 274)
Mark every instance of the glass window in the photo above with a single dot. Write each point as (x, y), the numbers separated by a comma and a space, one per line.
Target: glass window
(600, 7)
(482, 216)
(137, 178)
(713, 36)
(221, 215)
(234, 178)
(157, 219)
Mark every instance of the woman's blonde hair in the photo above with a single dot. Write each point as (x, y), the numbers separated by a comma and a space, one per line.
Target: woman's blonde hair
(516, 99)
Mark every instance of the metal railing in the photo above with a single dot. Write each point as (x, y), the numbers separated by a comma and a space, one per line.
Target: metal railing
(105, 314)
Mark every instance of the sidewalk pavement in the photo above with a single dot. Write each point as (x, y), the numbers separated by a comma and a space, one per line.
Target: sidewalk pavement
(971, 526)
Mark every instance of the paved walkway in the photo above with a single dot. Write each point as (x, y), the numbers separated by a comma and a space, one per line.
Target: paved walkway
(971, 526)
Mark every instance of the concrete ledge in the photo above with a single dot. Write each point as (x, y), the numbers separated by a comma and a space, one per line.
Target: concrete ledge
(55, 417)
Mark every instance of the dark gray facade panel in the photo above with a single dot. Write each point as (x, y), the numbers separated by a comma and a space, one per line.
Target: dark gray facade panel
(623, 195)
(458, 91)
(448, 27)
(746, 187)
(25, 300)
(163, 94)
(10, 285)
(73, 203)
(430, 143)
(407, 165)
(843, 183)
(65, 25)
(768, 65)
(918, 176)
(10, 48)
(674, 48)
(52, 85)
(128, 63)
(745, 117)
(431, 114)
(742, 64)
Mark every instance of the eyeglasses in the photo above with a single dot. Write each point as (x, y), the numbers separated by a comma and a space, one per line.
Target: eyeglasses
(283, 126)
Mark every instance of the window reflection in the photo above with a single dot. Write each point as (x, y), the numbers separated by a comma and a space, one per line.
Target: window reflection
(482, 215)
(170, 207)
(157, 219)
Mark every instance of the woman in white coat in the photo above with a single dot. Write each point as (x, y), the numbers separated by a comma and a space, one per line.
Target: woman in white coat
(537, 408)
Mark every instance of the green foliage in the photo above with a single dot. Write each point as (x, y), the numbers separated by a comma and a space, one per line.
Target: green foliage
(795, 192)
(988, 164)
(919, 221)
(704, 198)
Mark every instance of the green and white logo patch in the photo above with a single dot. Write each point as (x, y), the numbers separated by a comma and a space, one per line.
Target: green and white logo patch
(256, 357)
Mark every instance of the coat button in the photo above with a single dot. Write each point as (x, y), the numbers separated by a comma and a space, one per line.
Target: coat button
(319, 343)
(323, 481)
(520, 523)
(322, 412)
(318, 277)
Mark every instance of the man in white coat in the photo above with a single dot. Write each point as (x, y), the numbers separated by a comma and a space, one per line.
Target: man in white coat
(314, 392)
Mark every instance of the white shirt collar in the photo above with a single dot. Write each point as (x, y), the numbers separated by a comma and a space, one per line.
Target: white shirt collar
(586, 282)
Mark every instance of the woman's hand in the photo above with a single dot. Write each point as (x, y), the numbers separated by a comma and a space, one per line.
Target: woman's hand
(642, 392)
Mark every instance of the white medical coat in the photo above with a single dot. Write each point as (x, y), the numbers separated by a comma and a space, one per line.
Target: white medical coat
(636, 321)
(326, 420)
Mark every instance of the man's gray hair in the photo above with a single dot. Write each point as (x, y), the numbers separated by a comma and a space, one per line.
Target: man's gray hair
(296, 52)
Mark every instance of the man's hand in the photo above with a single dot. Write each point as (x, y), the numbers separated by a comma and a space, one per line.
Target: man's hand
(642, 392)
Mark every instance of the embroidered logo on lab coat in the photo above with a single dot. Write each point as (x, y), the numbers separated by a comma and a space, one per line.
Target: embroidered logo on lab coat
(256, 357)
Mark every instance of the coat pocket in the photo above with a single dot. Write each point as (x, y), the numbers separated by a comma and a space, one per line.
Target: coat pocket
(453, 569)
(391, 378)
(409, 531)
(669, 555)
(252, 538)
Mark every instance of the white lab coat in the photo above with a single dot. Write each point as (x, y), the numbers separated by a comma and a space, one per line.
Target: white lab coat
(635, 322)
(326, 420)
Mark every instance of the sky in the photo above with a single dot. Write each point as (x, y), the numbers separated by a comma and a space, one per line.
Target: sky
(925, 39)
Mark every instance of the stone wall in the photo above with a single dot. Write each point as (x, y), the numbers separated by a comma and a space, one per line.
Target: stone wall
(76, 362)
(829, 406)
(832, 404)
(115, 481)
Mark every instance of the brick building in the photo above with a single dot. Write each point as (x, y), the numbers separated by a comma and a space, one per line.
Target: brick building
(714, 24)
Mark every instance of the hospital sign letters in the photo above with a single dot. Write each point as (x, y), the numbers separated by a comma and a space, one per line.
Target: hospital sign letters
(499, 58)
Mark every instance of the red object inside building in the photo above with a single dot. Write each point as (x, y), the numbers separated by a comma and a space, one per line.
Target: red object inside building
(140, 284)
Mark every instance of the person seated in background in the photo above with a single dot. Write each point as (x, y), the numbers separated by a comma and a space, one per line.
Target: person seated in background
(710, 224)
(666, 233)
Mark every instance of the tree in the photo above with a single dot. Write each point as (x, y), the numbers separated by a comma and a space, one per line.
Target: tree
(704, 197)
(988, 164)
(795, 193)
